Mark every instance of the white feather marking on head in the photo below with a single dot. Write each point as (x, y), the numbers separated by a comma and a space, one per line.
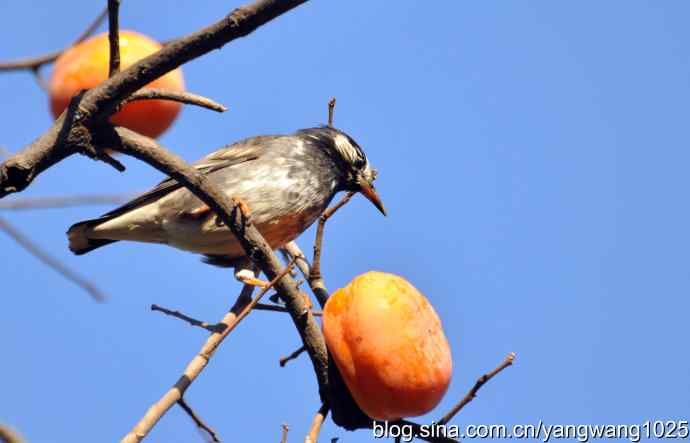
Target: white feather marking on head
(345, 148)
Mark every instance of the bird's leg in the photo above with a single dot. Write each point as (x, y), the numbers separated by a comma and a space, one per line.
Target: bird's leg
(199, 212)
(244, 207)
(246, 272)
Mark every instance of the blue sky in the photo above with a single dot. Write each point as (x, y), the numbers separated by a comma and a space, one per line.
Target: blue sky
(533, 157)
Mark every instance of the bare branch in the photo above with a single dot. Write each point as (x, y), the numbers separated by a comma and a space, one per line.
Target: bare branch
(9, 435)
(192, 321)
(63, 202)
(99, 103)
(177, 96)
(114, 36)
(473, 392)
(284, 433)
(52, 262)
(318, 286)
(198, 421)
(275, 308)
(42, 82)
(331, 108)
(315, 273)
(88, 32)
(34, 63)
(284, 360)
(316, 423)
(292, 250)
(239, 311)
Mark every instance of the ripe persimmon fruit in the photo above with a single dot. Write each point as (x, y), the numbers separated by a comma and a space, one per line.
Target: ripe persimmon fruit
(389, 346)
(85, 65)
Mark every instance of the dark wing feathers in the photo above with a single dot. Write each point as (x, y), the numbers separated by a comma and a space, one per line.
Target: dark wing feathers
(216, 161)
(225, 157)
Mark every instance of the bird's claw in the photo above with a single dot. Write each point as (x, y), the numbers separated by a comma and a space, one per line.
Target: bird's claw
(248, 277)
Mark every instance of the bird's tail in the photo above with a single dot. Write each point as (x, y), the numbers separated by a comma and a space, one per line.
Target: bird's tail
(79, 240)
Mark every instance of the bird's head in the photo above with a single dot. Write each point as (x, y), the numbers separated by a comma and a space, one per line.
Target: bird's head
(357, 175)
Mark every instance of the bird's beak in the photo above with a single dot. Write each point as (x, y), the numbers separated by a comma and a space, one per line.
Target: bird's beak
(367, 190)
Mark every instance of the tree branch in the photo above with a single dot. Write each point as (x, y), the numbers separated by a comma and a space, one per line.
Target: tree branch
(237, 313)
(293, 355)
(114, 37)
(331, 108)
(9, 435)
(316, 423)
(275, 308)
(315, 273)
(192, 321)
(177, 96)
(50, 261)
(473, 392)
(198, 421)
(99, 103)
(35, 63)
(63, 202)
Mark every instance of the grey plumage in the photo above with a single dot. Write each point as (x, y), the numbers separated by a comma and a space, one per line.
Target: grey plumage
(286, 180)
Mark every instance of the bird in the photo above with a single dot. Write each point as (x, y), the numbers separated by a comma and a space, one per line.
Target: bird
(287, 181)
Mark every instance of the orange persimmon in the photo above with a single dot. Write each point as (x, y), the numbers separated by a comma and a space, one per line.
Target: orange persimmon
(85, 65)
(389, 346)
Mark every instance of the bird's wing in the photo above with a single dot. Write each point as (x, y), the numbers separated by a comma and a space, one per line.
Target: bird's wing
(220, 159)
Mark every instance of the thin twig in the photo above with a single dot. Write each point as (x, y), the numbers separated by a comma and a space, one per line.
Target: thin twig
(316, 423)
(318, 286)
(42, 82)
(275, 308)
(88, 32)
(34, 63)
(52, 262)
(239, 311)
(63, 202)
(331, 107)
(473, 392)
(114, 36)
(9, 435)
(177, 96)
(284, 433)
(192, 321)
(284, 360)
(292, 250)
(315, 272)
(198, 421)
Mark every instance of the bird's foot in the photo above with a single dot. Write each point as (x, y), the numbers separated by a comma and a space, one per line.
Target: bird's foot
(199, 212)
(248, 277)
(243, 206)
